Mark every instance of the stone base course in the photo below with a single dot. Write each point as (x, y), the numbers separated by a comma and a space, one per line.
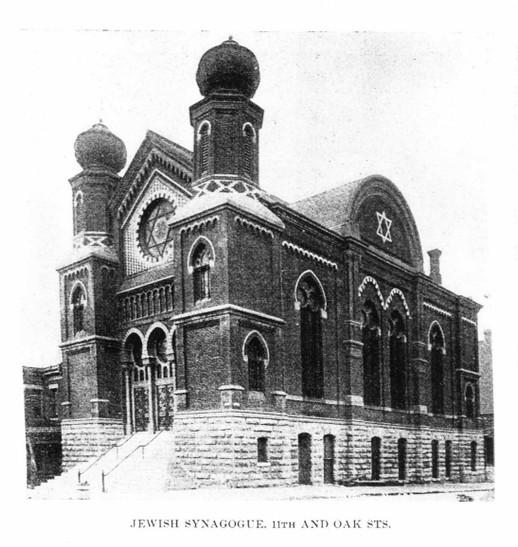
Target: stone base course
(220, 448)
(83, 439)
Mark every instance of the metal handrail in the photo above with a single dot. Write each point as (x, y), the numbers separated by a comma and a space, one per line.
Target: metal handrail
(116, 446)
(142, 446)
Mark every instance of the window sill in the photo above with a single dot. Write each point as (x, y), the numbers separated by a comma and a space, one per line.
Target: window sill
(264, 464)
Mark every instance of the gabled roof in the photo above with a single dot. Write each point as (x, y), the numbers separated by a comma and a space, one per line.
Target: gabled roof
(155, 151)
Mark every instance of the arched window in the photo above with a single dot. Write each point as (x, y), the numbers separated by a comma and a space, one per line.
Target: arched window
(201, 261)
(203, 137)
(397, 360)
(256, 364)
(133, 349)
(436, 345)
(311, 303)
(470, 401)
(248, 149)
(78, 309)
(157, 348)
(371, 354)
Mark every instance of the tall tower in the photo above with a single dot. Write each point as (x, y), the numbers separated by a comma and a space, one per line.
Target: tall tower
(91, 393)
(226, 122)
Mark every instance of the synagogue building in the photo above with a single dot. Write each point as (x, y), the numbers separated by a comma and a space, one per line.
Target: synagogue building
(213, 334)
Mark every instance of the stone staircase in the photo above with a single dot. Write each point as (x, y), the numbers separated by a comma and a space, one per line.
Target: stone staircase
(139, 466)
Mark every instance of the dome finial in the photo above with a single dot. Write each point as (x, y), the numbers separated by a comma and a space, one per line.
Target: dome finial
(228, 67)
(230, 38)
(99, 147)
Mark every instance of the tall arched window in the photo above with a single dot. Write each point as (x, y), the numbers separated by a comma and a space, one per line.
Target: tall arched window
(371, 354)
(248, 149)
(436, 344)
(311, 303)
(201, 261)
(397, 360)
(470, 401)
(256, 364)
(203, 137)
(78, 309)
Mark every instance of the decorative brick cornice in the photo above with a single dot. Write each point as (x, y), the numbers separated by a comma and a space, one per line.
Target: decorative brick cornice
(469, 321)
(253, 226)
(76, 273)
(436, 309)
(200, 224)
(309, 254)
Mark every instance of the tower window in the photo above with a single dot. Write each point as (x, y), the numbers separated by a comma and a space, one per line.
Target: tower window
(262, 449)
(201, 265)
(436, 344)
(78, 309)
(311, 302)
(371, 354)
(397, 360)
(255, 354)
(203, 146)
(248, 149)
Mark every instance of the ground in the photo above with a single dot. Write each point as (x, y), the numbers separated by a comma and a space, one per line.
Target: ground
(426, 492)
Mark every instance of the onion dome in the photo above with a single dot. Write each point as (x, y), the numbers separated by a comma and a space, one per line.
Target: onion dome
(228, 67)
(99, 147)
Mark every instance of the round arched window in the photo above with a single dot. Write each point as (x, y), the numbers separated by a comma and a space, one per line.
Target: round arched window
(154, 235)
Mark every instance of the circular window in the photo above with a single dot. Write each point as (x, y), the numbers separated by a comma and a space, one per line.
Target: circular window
(154, 235)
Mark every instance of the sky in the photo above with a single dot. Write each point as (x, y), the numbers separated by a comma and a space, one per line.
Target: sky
(433, 112)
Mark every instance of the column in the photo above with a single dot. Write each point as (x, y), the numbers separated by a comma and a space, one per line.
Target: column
(126, 368)
(149, 363)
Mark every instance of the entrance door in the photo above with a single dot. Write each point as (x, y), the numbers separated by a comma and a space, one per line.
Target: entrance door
(304, 458)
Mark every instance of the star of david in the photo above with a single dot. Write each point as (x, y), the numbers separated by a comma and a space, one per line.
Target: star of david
(384, 224)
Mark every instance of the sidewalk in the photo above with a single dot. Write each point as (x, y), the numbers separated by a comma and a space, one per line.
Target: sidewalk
(411, 492)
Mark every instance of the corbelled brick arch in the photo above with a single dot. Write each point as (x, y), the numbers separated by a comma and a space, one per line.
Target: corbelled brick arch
(311, 275)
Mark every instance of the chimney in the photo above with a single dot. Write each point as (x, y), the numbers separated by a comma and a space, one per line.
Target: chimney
(435, 266)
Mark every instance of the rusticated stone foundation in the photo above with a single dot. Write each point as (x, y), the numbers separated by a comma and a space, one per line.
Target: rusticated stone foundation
(221, 448)
(85, 438)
